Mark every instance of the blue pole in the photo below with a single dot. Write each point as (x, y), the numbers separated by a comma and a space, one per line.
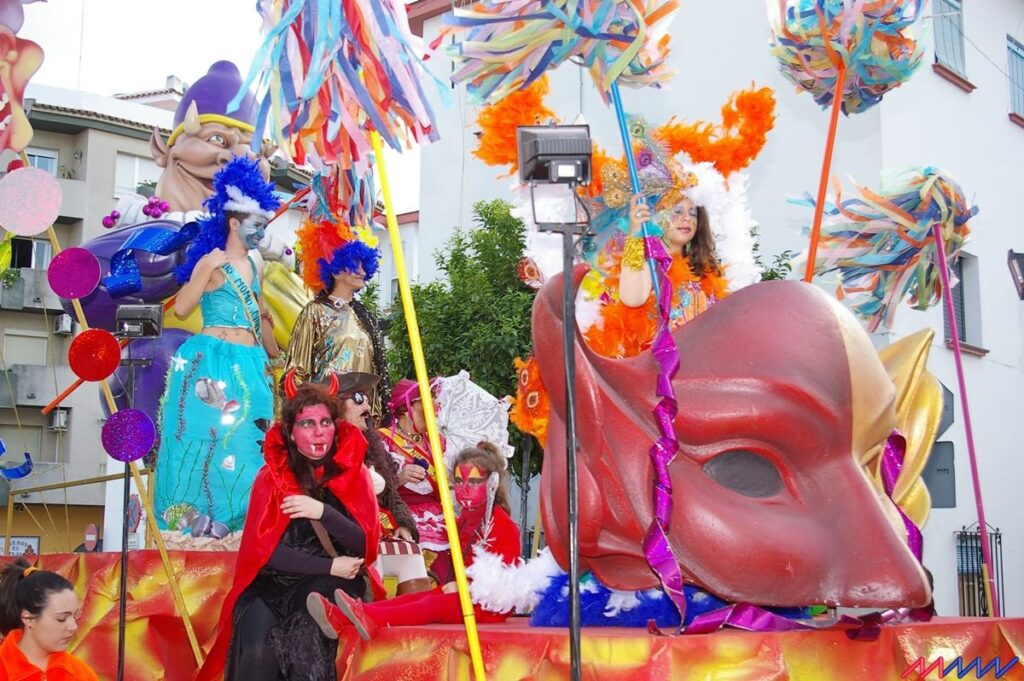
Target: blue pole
(634, 178)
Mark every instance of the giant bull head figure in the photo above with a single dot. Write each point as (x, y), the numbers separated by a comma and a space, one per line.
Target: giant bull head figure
(781, 398)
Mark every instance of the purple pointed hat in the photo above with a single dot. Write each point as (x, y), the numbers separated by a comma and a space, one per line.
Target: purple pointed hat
(212, 94)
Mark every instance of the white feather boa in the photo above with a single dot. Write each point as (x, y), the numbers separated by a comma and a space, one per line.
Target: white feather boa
(498, 587)
(730, 219)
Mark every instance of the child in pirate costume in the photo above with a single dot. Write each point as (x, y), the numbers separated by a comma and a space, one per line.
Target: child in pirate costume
(218, 398)
(335, 332)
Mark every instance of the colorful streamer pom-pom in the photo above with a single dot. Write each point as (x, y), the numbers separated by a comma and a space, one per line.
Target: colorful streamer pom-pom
(882, 244)
(504, 45)
(866, 41)
(331, 72)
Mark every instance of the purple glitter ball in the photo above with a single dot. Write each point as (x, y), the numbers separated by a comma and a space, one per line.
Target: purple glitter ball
(128, 435)
(74, 273)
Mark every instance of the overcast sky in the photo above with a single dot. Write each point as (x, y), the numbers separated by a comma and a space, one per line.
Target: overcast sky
(117, 46)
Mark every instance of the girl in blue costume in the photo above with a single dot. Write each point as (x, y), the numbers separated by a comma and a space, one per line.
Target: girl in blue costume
(219, 398)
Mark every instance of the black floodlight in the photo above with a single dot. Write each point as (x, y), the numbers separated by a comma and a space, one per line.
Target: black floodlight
(139, 321)
(554, 154)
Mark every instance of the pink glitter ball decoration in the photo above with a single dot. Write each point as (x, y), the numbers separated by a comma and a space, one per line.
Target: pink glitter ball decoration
(94, 355)
(74, 273)
(128, 435)
(30, 201)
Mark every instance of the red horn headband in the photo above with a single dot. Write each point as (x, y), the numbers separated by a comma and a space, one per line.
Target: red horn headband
(332, 387)
(289, 385)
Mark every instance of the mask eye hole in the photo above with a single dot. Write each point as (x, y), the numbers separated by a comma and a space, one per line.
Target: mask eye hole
(745, 473)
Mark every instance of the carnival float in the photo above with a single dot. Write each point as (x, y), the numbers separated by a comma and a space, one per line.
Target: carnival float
(731, 483)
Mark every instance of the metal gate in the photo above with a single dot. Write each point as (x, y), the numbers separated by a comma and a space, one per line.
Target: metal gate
(970, 578)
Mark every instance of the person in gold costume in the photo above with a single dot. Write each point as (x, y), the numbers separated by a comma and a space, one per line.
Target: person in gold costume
(334, 331)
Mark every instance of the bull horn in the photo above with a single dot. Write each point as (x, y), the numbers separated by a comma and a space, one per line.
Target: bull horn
(192, 124)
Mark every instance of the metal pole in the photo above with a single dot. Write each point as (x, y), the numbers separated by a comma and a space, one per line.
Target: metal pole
(524, 496)
(122, 599)
(569, 348)
(568, 230)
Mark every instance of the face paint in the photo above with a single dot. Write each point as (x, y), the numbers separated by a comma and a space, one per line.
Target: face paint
(313, 432)
(470, 486)
(253, 229)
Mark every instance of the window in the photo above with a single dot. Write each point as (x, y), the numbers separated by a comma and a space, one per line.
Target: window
(44, 159)
(131, 171)
(24, 347)
(395, 292)
(966, 301)
(30, 253)
(969, 576)
(949, 35)
(1015, 69)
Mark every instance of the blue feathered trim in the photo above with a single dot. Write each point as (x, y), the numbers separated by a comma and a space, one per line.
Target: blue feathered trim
(245, 175)
(349, 258)
(603, 607)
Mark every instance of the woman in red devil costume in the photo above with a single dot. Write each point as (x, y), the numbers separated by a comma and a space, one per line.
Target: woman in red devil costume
(312, 527)
(484, 524)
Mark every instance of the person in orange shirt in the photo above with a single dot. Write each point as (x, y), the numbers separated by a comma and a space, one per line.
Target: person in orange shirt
(38, 618)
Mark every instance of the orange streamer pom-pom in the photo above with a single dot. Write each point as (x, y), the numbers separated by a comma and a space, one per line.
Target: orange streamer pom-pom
(498, 123)
(531, 407)
(746, 119)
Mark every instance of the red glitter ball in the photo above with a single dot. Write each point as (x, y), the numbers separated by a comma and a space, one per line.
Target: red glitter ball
(94, 355)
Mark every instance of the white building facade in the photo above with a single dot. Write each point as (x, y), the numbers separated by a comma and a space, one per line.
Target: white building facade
(963, 114)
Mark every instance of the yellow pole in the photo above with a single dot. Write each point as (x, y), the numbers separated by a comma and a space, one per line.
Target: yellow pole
(434, 437)
(151, 518)
(9, 525)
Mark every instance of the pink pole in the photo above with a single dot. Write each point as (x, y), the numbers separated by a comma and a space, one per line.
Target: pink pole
(947, 296)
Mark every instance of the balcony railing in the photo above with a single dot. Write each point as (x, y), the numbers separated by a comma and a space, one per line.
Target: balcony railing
(30, 293)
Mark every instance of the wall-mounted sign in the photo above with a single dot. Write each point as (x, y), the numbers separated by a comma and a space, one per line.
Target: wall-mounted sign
(22, 546)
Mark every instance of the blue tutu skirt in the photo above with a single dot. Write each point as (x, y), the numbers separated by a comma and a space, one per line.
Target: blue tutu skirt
(214, 413)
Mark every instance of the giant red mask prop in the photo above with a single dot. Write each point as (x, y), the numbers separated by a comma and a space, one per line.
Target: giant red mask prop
(781, 396)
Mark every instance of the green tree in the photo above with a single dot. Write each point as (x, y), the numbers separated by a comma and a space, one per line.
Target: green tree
(368, 297)
(477, 317)
(781, 265)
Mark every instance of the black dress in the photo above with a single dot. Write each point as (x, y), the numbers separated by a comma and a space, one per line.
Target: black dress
(274, 638)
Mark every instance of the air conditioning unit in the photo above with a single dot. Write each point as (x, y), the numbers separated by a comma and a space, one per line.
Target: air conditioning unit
(63, 325)
(58, 419)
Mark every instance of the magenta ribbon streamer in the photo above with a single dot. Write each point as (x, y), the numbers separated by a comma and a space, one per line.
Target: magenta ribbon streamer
(755, 618)
(657, 550)
(892, 463)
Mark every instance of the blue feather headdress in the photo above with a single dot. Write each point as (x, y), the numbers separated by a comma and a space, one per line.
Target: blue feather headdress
(238, 188)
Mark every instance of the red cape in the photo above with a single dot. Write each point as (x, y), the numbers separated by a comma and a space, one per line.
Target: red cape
(265, 524)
